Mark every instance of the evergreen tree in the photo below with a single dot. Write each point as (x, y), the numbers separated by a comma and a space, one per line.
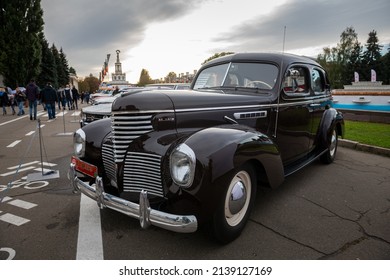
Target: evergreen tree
(72, 71)
(21, 23)
(48, 66)
(65, 68)
(354, 63)
(59, 69)
(371, 57)
(385, 61)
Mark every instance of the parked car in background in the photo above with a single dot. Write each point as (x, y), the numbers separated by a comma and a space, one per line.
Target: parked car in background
(95, 112)
(180, 158)
(101, 108)
(176, 86)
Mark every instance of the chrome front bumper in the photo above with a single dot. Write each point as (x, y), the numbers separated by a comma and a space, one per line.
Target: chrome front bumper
(142, 211)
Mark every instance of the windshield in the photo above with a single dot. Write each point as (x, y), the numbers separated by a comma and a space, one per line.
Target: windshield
(243, 75)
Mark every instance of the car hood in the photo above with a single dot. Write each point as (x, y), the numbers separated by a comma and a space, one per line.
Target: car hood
(101, 109)
(180, 100)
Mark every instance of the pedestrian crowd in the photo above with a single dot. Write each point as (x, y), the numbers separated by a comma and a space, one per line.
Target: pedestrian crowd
(31, 96)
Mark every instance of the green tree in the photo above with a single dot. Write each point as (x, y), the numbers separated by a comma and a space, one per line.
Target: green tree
(144, 78)
(337, 60)
(21, 23)
(171, 77)
(354, 63)
(72, 70)
(92, 83)
(65, 68)
(48, 71)
(83, 85)
(385, 61)
(216, 55)
(62, 80)
(329, 60)
(372, 56)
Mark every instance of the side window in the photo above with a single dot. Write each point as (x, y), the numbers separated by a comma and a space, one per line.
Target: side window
(317, 81)
(296, 81)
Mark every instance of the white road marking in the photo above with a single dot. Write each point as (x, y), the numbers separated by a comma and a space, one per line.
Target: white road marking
(90, 242)
(24, 164)
(30, 133)
(20, 170)
(20, 118)
(6, 198)
(13, 219)
(22, 204)
(13, 144)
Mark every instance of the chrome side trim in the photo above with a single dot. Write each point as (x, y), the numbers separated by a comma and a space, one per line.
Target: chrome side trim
(307, 100)
(250, 115)
(146, 215)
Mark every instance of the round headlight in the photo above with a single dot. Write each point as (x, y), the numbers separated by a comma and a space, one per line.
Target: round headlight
(79, 143)
(182, 163)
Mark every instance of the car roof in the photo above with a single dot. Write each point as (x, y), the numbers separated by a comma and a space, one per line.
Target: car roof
(276, 57)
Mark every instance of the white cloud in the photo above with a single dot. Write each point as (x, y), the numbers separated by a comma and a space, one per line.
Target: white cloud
(178, 35)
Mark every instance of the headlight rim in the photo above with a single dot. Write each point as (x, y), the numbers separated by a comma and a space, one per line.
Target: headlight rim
(184, 149)
(79, 139)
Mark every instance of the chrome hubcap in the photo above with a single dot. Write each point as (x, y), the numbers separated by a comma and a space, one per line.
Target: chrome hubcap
(237, 198)
(333, 144)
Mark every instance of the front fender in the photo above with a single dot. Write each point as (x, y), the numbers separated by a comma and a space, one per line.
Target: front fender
(223, 148)
(95, 133)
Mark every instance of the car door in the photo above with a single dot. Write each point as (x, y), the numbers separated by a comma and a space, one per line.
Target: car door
(294, 124)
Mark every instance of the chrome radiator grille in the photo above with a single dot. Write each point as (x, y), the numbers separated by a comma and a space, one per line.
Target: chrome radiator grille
(108, 161)
(142, 172)
(126, 128)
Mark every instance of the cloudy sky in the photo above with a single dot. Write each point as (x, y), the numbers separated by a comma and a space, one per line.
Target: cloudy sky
(178, 35)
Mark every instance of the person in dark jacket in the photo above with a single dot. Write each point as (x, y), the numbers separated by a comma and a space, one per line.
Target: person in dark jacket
(32, 93)
(68, 97)
(4, 100)
(49, 97)
(75, 96)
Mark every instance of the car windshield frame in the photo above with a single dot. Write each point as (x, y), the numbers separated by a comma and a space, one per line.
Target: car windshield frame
(239, 75)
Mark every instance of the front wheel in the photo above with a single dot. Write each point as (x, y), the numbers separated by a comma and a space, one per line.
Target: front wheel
(235, 205)
(330, 154)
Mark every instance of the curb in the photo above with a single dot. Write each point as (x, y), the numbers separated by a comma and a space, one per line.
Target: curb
(364, 148)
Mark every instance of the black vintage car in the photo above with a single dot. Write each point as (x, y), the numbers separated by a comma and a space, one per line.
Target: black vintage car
(177, 159)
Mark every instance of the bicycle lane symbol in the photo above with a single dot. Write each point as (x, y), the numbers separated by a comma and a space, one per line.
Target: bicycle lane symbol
(25, 184)
(11, 252)
(19, 203)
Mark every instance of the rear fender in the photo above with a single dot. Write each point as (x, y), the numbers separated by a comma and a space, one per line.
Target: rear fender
(330, 119)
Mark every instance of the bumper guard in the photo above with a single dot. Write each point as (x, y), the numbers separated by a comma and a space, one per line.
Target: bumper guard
(142, 211)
